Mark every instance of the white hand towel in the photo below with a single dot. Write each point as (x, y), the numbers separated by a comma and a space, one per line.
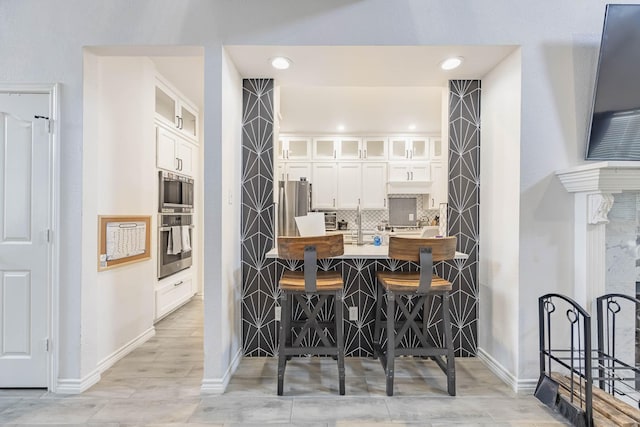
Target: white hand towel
(174, 246)
(186, 240)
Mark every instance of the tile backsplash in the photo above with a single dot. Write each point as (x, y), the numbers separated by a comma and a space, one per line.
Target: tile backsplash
(371, 218)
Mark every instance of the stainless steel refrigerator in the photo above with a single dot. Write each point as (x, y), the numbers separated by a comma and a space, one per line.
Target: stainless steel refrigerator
(294, 199)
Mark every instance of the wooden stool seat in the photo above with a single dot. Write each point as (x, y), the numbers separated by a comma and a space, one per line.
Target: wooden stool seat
(411, 294)
(409, 281)
(295, 288)
(293, 281)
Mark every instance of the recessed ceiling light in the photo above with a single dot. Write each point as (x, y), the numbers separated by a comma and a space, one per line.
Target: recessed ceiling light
(451, 63)
(412, 127)
(280, 62)
(340, 127)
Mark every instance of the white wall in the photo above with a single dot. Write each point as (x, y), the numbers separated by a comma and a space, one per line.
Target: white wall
(498, 267)
(320, 109)
(231, 274)
(559, 43)
(122, 182)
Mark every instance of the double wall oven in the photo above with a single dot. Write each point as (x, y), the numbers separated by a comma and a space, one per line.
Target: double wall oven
(175, 223)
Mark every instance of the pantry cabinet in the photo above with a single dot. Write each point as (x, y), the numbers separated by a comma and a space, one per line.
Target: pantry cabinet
(175, 111)
(174, 153)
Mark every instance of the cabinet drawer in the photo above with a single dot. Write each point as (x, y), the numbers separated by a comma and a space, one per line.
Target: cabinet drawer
(173, 294)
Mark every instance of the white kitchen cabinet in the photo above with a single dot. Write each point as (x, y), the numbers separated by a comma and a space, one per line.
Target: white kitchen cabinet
(439, 185)
(293, 171)
(409, 148)
(374, 148)
(349, 148)
(437, 149)
(294, 148)
(325, 148)
(172, 292)
(374, 186)
(175, 111)
(173, 152)
(324, 190)
(409, 172)
(349, 185)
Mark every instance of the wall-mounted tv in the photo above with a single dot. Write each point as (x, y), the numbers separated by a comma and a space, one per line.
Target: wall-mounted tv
(614, 132)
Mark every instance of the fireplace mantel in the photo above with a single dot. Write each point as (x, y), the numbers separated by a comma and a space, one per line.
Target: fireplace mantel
(610, 177)
(593, 186)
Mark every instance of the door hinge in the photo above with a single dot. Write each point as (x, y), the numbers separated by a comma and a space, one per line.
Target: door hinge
(46, 344)
(49, 235)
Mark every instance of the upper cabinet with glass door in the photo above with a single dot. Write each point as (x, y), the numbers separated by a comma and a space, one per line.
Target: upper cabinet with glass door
(294, 148)
(409, 148)
(175, 111)
(437, 149)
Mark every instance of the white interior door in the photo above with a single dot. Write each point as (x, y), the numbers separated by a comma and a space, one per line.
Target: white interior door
(24, 223)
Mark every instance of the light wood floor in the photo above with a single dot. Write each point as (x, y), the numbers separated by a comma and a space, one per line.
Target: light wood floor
(159, 385)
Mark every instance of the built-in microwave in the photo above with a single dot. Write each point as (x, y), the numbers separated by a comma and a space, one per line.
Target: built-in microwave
(176, 193)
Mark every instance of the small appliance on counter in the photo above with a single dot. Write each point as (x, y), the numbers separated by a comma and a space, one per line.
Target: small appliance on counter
(343, 225)
(330, 221)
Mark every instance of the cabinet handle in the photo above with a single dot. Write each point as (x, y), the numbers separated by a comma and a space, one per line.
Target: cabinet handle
(334, 154)
(178, 284)
(359, 154)
(287, 154)
(406, 153)
(177, 163)
(287, 177)
(365, 153)
(411, 175)
(432, 202)
(334, 202)
(408, 179)
(384, 202)
(181, 123)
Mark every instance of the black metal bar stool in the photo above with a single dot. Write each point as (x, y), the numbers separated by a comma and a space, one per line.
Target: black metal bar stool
(411, 292)
(300, 285)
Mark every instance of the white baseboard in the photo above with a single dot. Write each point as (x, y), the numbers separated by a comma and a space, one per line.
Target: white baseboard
(219, 385)
(110, 360)
(520, 386)
(77, 386)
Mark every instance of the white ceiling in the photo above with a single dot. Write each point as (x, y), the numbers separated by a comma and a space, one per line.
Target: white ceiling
(366, 89)
(366, 65)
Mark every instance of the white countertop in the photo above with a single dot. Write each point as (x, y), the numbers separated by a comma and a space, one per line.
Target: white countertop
(365, 251)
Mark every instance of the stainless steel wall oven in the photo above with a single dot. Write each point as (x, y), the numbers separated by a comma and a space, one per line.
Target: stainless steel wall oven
(176, 193)
(175, 234)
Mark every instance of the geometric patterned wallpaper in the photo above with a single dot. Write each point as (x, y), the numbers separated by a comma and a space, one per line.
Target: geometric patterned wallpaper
(464, 205)
(260, 294)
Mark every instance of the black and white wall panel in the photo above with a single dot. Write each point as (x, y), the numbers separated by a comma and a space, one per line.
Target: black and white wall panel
(260, 293)
(464, 208)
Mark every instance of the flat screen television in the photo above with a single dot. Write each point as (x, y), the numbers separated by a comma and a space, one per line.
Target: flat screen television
(614, 132)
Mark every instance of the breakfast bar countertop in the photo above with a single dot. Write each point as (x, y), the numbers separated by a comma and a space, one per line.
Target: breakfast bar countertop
(367, 251)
